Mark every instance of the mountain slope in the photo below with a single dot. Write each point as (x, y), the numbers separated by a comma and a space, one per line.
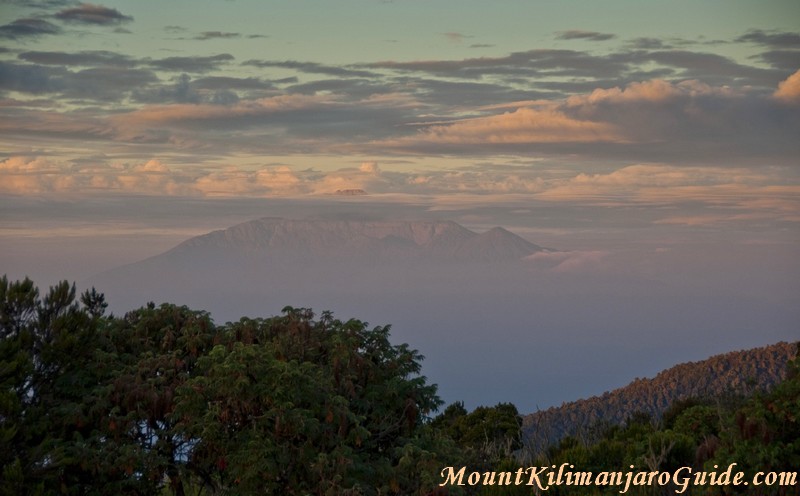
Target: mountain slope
(329, 263)
(320, 240)
(739, 372)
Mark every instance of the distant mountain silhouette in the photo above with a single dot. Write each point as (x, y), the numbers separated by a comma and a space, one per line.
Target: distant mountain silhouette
(321, 240)
(736, 373)
(294, 260)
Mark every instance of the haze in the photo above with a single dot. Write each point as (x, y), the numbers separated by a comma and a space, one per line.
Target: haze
(652, 145)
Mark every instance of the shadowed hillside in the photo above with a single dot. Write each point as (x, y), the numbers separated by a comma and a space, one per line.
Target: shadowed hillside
(729, 374)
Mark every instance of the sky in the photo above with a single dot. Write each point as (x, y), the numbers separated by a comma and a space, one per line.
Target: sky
(650, 141)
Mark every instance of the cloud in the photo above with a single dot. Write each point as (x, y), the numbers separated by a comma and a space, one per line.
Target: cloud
(175, 114)
(652, 91)
(232, 83)
(268, 181)
(87, 13)
(576, 34)
(524, 125)
(192, 64)
(568, 261)
(103, 83)
(658, 120)
(106, 83)
(311, 68)
(38, 176)
(370, 168)
(152, 166)
(784, 60)
(538, 62)
(648, 43)
(736, 194)
(30, 78)
(778, 39)
(457, 38)
(85, 58)
(27, 27)
(20, 175)
(212, 35)
(710, 68)
(694, 196)
(789, 90)
(533, 68)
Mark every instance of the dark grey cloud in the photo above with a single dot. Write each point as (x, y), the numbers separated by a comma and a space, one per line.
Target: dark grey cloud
(32, 79)
(28, 28)
(85, 58)
(709, 67)
(535, 68)
(785, 60)
(311, 68)
(40, 4)
(232, 83)
(184, 90)
(191, 64)
(576, 34)
(106, 83)
(180, 92)
(211, 35)
(775, 39)
(443, 95)
(532, 63)
(88, 13)
(287, 80)
(481, 45)
(648, 43)
(354, 88)
(708, 126)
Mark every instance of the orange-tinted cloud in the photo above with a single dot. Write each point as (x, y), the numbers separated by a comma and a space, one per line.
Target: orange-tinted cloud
(524, 125)
(156, 114)
(789, 90)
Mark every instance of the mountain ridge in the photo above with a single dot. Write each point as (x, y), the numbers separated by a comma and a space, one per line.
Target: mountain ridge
(320, 262)
(740, 372)
(310, 239)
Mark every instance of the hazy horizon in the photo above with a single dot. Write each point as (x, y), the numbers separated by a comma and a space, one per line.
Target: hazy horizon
(654, 145)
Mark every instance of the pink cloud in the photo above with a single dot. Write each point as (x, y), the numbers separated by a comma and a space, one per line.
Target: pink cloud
(194, 112)
(654, 91)
(789, 90)
(524, 125)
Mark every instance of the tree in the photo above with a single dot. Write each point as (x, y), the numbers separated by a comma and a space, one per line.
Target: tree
(162, 400)
(46, 373)
(293, 405)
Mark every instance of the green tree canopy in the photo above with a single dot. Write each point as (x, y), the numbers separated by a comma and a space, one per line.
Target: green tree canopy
(162, 399)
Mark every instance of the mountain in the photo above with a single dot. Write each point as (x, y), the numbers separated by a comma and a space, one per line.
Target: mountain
(322, 240)
(736, 373)
(261, 265)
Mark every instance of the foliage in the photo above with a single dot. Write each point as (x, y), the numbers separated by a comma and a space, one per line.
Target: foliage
(760, 433)
(726, 378)
(162, 399)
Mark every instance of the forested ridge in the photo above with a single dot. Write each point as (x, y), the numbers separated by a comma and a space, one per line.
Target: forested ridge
(734, 374)
(162, 400)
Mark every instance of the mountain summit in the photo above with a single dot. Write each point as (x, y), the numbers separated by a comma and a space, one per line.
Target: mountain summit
(284, 240)
(319, 262)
